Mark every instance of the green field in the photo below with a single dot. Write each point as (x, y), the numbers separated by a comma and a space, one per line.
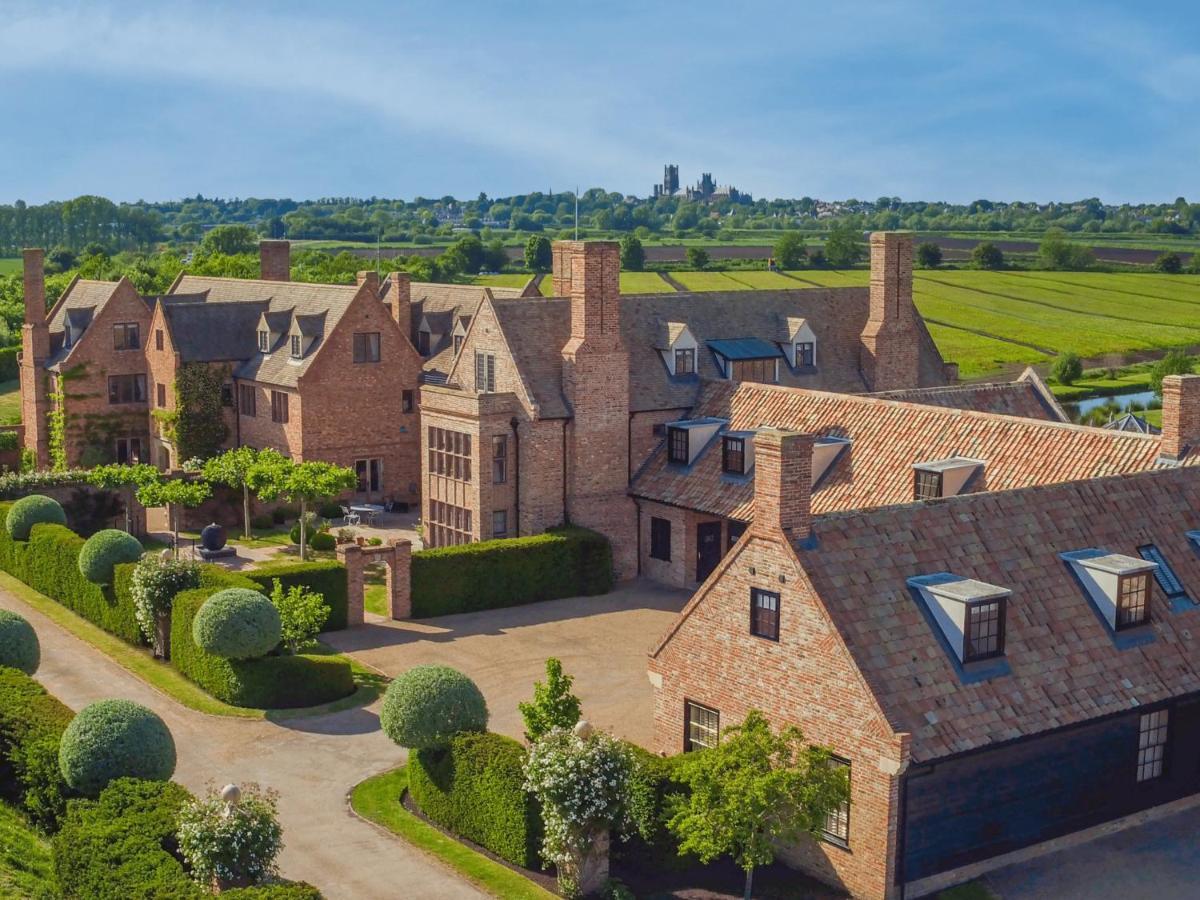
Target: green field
(631, 283)
(10, 266)
(513, 280)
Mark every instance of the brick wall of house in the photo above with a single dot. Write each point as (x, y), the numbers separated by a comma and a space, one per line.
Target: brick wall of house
(642, 439)
(1180, 415)
(891, 339)
(680, 570)
(355, 411)
(161, 366)
(259, 431)
(807, 679)
(91, 421)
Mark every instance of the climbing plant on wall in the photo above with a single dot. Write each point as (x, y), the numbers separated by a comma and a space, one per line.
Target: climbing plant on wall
(200, 428)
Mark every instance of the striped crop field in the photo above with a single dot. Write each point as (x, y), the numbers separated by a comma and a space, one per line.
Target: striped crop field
(708, 281)
(643, 283)
(504, 279)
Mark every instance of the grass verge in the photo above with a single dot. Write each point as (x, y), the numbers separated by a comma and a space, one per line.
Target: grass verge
(170, 681)
(10, 402)
(25, 866)
(378, 800)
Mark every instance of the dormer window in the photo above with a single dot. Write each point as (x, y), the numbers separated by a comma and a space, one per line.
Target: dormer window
(423, 342)
(678, 446)
(799, 343)
(1117, 586)
(1133, 600)
(685, 361)
(264, 342)
(458, 342)
(297, 344)
(945, 477)
(748, 359)
(970, 615)
(806, 354)
(733, 455)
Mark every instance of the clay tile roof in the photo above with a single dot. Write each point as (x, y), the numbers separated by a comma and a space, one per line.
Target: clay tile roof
(887, 437)
(1064, 664)
(1028, 396)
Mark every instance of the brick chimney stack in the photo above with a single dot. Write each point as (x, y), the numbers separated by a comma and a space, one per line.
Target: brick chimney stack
(595, 375)
(1180, 415)
(275, 260)
(35, 348)
(371, 278)
(890, 354)
(400, 292)
(783, 483)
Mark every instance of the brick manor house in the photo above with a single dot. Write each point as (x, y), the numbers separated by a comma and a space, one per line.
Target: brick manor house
(317, 371)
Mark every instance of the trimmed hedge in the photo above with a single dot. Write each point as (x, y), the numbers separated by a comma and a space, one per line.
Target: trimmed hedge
(427, 705)
(104, 551)
(270, 682)
(112, 739)
(475, 788)
(19, 645)
(237, 623)
(122, 846)
(565, 562)
(32, 723)
(324, 577)
(651, 788)
(30, 511)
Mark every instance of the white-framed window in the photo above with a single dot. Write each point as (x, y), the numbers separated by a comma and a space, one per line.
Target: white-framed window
(702, 727)
(1152, 744)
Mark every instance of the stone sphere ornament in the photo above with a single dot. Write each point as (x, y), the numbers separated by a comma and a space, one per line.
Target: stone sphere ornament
(213, 537)
(583, 729)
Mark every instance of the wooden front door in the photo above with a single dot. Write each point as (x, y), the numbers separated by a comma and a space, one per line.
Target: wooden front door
(708, 548)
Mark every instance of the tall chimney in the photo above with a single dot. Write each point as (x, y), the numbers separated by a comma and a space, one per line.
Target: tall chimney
(371, 278)
(782, 483)
(1180, 415)
(560, 268)
(275, 260)
(401, 298)
(594, 280)
(35, 286)
(890, 351)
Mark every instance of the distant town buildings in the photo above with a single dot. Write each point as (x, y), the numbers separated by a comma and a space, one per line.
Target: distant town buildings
(706, 188)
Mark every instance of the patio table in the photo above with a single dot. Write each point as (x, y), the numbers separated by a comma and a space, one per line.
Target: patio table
(368, 511)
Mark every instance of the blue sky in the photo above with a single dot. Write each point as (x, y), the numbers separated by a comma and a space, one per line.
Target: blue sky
(929, 100)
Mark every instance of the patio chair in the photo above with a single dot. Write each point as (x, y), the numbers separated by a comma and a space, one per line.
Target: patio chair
(350, 517)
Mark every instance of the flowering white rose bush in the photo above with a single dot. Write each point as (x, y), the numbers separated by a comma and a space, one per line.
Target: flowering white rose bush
(154, 585)
(230, 845)
(582, 784)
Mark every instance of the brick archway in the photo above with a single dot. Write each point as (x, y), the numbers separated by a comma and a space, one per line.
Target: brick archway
(398, 560)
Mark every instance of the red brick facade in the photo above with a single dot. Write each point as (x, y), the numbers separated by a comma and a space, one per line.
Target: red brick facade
(1180, 415)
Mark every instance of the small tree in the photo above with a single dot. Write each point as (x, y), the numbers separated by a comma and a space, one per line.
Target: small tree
(987, 255)
(697, 257)
(1067, 369)
(231, 841)
(929, 255)
(789, 251)
(844, 246)
(232, 469)
(1176, 362)
(1170, 263)
(752, 791)
(633, 256)
(174, 494)
(537, 253)
(276, 476)
(125, 479)
(302, 614)
(553, 704)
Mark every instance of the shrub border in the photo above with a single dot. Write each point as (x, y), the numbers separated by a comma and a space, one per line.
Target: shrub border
(377, 800)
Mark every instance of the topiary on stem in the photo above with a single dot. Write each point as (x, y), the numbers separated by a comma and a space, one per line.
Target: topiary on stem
(115, 739)
(237, 623)
(428, 705)
(33, 510)
(101, 553)
(19, 647)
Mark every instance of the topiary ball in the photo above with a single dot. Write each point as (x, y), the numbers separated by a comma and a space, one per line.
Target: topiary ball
(428, 705)
(103, 551)
(324, 541)
(237, 623)
(19, 647)
(30, 511)
(115, 739)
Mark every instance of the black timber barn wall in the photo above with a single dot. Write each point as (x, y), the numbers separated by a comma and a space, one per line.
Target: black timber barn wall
(982, 804)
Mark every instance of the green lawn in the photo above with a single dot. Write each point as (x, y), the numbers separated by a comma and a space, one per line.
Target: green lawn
(10, 266)
(10, 402)
(26, 872)
(707, 281)
(378, 800)
(643, 283)
(504, 279)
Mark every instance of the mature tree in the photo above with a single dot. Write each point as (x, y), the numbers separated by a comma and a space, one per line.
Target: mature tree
(1170, 263)
(987, 255)
(495, 257)
(464, 255)
(790, 252)
(755, 790)
(844, 246)
(537, 253)
(1176, 362)
(175, 494)
(685, 218)
(230, 240)
(1056, 252)
(306, 483)
(1067, 369)
(697, 257)
(633, 256)
(929, 255)
(232, 469)
(553, 704)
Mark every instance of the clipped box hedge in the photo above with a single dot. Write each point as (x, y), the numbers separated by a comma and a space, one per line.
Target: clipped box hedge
(325, 577)
(564, 562)
(475, 788)
(269, 682)
(32, 723)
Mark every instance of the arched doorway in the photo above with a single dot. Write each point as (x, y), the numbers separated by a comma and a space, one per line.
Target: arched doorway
(397, 559)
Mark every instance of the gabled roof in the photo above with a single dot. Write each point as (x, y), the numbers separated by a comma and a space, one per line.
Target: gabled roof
(835, 315)
(888, 437)
(1064, 664)
(1028, 396)
(1132, 422)
(211, 332)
